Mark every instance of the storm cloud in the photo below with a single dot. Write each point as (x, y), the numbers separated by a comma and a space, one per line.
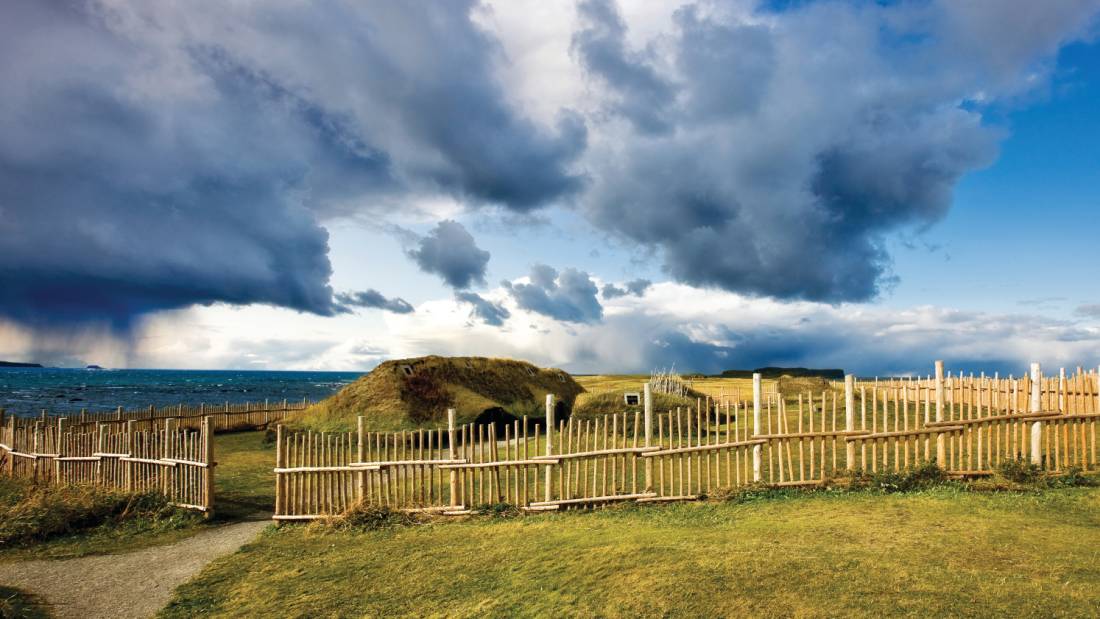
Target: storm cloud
(162, 155)
(635, 287)
(778, 168)
(156, 156)
(641, 93)
(493, 314)
(569, 296)
(373, 299)
(451, 252)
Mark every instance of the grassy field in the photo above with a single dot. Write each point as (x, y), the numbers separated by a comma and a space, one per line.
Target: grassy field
(936, 552)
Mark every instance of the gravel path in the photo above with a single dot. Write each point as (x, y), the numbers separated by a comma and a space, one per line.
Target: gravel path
(135, 584)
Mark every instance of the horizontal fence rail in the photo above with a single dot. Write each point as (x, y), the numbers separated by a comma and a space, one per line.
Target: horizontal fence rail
(968, 426)
(175, 461)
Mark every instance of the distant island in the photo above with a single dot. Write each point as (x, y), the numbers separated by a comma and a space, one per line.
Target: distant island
(19, 364)
(775, 372)
(93, 367)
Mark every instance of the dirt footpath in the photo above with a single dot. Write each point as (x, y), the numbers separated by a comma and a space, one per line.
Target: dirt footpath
(135, 584)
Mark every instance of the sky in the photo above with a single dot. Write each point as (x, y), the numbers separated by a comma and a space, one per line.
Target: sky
(596, 185)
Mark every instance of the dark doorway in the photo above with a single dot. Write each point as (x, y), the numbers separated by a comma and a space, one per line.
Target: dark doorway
(498, 416)
(561, 411)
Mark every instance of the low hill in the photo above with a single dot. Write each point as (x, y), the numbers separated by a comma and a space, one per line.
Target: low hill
(593, 405)
(416, 393)
(777, 372)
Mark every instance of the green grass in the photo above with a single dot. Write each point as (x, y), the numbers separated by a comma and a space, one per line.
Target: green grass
(15, 604)
(936, 552)
(243, 479)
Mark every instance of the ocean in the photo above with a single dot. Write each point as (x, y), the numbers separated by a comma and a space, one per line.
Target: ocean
(27, 391)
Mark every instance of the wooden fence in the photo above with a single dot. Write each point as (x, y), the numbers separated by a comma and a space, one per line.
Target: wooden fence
(227, 416)
(176, 461)
(968, 427)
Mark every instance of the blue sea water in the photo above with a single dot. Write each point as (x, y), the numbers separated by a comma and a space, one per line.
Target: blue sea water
(27, 391)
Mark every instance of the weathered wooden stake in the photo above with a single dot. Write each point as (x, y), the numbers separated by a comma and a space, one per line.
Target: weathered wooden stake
(280, 462)
(941, 440)
(452, 455)
(1034, 405)
(360, 455)
(208, 470)
(648, 401)
(549, 478)
(850, 417)
(1062, 390)
(756, 449)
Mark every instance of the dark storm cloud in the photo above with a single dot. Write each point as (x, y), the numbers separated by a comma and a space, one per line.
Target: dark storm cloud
(373, 299)
(600, 44)
(490, 313)
(451, 252)
(780, 169)
(569, 296)
(636, 287)
(158, 155)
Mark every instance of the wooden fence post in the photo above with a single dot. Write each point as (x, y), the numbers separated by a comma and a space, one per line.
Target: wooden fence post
(452, 455)
(280, 463)
(1062, 390)
(1034, 404)
(129, 470)
(549, 444)
(59, 449)
(360, 453)
(100, 449)
(941, 440)
(6, 438)
(849, 418)
(165, 485)
(757, 450)
(647, 394)
(208, 470)
(11, 446)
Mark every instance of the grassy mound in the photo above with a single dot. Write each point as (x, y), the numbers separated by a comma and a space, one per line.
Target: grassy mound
(592, 405)
(416, 393)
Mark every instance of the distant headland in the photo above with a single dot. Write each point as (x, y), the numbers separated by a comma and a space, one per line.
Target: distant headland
(19, 364)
